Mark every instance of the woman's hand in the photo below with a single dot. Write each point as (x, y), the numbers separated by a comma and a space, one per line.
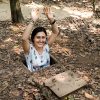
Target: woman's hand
(48, 13)
(35, 14)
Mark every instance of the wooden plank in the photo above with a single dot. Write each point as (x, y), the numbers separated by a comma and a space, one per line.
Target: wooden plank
(65, 83)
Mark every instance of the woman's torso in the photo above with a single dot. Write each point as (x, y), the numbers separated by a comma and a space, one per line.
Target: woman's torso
(35, 60)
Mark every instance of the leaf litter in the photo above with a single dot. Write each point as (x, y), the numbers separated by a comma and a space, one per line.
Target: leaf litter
(77, 49)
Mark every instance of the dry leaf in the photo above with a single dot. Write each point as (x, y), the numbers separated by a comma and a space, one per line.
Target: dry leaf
(86, 78)
(89, 96)
(80, 73)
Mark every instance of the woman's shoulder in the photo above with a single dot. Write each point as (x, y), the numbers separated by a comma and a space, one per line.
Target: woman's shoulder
(31, 47)
(47, 47)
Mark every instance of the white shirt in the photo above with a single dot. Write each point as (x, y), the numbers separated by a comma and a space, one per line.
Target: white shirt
(35, 61)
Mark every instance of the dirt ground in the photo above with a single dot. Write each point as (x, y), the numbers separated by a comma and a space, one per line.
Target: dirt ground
(77, 48)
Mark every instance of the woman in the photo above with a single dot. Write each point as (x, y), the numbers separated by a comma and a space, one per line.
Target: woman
(37, 52)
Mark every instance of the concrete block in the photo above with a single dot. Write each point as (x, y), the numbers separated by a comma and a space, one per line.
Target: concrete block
(65, 83)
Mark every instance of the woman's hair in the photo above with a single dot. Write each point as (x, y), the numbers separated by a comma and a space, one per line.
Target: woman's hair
(36, 30)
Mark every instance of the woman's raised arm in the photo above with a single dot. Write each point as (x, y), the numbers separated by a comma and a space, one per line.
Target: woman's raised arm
(55, 30)
(28, 30)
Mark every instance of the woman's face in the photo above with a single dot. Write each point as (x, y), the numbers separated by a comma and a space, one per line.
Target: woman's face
(40, 39)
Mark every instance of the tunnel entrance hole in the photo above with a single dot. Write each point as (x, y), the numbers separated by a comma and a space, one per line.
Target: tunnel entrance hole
(53, 60)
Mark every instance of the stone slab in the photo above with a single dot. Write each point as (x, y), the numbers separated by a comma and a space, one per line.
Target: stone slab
(65, 83)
